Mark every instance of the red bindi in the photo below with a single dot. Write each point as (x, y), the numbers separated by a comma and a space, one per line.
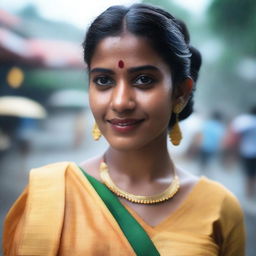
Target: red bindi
(120, 64)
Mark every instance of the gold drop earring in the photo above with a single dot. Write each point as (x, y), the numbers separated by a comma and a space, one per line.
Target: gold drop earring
(175, 133)
(96, 133)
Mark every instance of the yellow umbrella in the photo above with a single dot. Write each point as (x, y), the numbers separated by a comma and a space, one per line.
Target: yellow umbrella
(21, 107)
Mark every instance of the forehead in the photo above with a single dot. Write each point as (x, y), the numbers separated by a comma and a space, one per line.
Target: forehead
(131, 49)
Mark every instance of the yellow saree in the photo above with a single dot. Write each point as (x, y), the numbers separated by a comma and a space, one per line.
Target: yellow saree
(74, 220)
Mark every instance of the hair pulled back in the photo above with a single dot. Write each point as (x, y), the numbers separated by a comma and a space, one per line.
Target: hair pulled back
(168, 36)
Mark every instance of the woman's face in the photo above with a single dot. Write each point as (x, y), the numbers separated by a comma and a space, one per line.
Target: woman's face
(130, 92)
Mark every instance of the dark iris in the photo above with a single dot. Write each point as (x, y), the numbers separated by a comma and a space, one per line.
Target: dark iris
(143, 80)
(103, 80)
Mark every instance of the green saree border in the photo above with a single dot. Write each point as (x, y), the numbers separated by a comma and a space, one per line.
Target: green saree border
(133, 231)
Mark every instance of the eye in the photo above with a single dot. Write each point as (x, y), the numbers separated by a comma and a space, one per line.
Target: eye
(103, 81)
(143, 80)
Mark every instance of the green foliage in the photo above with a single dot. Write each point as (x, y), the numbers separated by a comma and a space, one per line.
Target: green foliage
(235, 20)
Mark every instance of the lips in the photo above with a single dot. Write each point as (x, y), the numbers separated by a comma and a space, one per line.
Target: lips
(125, 125)
(125, 122)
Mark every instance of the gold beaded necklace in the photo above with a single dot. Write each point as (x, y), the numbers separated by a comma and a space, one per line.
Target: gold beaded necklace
(152, 199)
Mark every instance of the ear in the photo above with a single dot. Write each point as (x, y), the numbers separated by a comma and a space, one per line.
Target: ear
(183, 91)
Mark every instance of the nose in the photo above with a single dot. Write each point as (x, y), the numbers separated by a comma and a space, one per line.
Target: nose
(123, 98)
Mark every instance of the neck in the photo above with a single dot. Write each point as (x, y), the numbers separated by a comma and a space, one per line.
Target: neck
(147, 164)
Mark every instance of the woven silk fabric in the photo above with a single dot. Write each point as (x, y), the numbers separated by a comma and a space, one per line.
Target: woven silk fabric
(208, 223)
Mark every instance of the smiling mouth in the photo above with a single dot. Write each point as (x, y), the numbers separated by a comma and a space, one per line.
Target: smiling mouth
(125, 122)
(125, 125)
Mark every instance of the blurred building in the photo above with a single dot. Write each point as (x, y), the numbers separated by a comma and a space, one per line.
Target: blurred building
(38, 63)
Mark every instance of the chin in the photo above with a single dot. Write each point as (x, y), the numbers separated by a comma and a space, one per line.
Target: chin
(126, 144)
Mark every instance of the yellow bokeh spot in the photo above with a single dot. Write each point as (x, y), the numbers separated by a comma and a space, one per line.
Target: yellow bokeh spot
(15, 77)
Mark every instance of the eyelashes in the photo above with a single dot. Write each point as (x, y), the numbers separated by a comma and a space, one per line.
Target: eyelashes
(103, 81)
(144, 80)
(141, 81)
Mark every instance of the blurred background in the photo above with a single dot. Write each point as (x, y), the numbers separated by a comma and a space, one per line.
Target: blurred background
(44, 112)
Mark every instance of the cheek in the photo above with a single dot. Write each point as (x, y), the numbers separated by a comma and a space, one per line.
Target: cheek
(94, 101)
(158, 108)
(159, 101)
(161, 110)
(98, 103)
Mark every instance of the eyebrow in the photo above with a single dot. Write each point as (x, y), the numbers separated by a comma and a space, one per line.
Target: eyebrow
(102, 70)
(130, 70)
(141, 68)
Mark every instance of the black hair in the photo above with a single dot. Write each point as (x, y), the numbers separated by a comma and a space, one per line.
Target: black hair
(168, 36)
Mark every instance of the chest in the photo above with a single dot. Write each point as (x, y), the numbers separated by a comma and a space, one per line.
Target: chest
(154, 214)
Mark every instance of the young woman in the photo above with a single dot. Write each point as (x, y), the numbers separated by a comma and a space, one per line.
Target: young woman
(141, 73)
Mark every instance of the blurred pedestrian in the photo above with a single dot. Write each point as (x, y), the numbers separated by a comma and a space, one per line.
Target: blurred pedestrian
(244, 140)
(210, 139)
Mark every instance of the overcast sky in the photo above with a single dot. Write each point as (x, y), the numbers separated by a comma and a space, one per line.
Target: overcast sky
(80, 12)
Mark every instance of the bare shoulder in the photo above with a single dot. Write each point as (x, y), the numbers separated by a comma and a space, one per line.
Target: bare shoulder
(91, 166)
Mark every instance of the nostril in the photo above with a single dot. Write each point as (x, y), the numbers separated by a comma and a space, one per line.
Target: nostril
(123, 98)
(123, 105)
(131, 104)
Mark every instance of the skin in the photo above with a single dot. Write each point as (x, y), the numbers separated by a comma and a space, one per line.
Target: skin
(138, 160)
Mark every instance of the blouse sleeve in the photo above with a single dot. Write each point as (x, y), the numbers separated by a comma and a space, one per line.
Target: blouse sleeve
(232, 222)
(13, 225)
